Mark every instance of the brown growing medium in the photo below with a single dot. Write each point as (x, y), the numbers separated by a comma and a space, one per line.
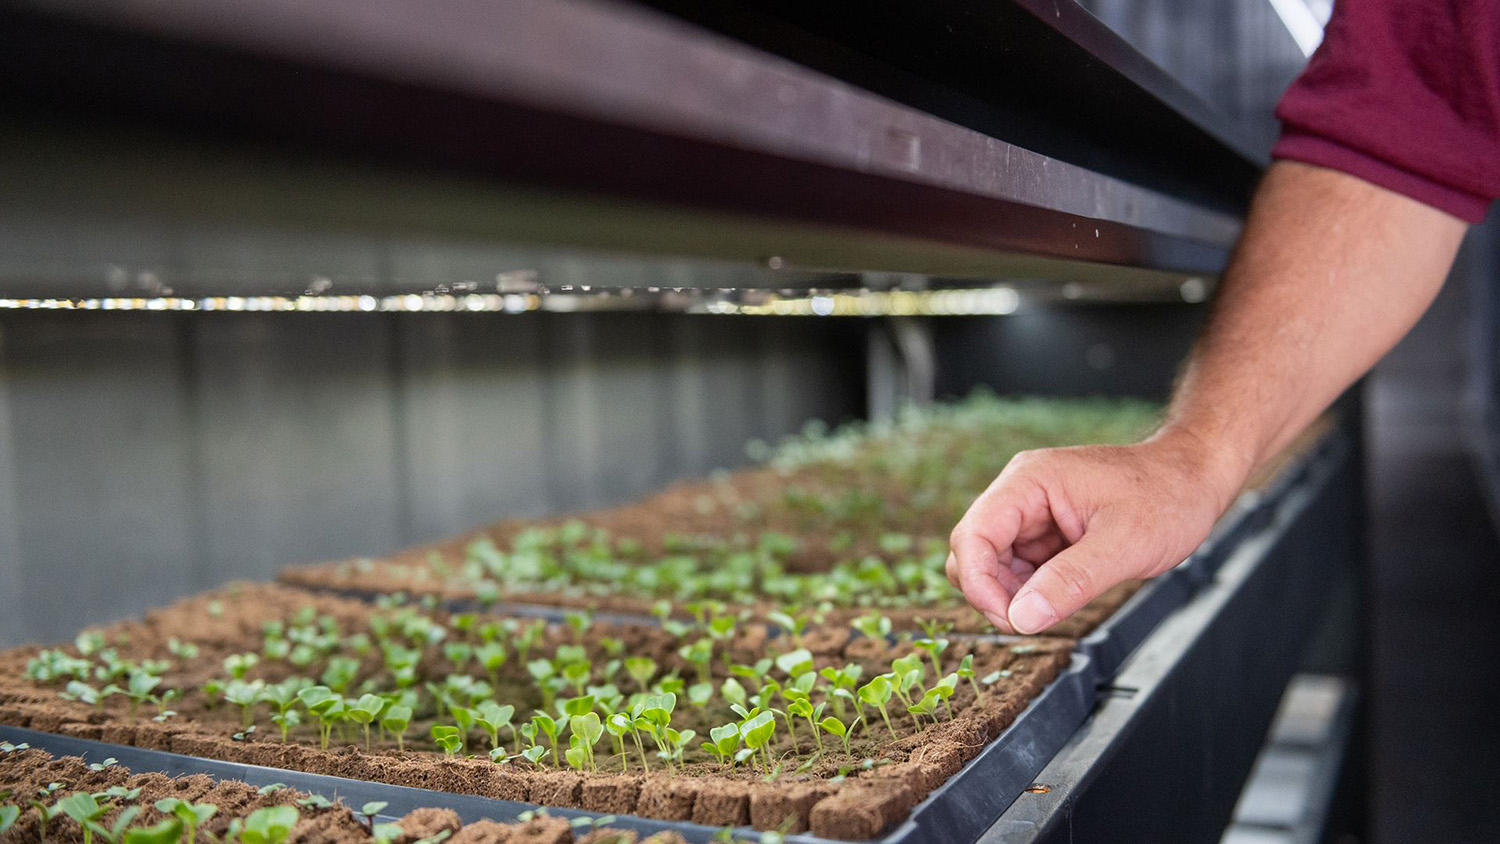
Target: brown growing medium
(705, 791)
(426, 569)
(24, 772)
(430, 568)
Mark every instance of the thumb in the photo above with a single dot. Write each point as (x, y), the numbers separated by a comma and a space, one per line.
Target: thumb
(1064, 584)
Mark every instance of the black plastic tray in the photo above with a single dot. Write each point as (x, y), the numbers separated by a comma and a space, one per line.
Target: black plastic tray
(1117, 637)
(957, 811)
(1253, 512)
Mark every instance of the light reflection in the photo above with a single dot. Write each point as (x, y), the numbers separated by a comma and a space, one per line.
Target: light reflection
(996, 301)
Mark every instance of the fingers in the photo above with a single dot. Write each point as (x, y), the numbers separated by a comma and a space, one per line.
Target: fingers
(1064, 584)
(981, 563)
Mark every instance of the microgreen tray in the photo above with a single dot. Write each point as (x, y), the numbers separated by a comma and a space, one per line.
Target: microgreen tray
(957, 811)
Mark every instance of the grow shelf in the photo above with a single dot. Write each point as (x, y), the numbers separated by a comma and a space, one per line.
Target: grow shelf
(956, 811)
(607, 127)
(224, 626)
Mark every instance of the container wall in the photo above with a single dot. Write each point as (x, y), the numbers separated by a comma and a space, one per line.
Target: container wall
(147, 456)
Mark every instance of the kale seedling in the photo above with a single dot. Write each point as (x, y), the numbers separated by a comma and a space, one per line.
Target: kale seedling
(83, 808)
(757, 732)
(192, 815)
(326, 707)
(365, 711)
(396, 720)
(270, 825)
(545, 723)
(700, 655)
(492, 656)
(877, 693)
(586, 730)
(492, 717)
(238, 665)
(723, 742)
(447, 738)
(370, 810)
(168, 831)
(245, 696)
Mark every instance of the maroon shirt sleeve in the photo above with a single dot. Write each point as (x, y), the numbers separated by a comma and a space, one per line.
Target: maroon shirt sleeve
(1404, 94)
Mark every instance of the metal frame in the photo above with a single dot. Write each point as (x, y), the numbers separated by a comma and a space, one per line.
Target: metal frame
(577, 125)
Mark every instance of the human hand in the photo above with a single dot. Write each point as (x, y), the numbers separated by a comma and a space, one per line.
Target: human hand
(1060, 526)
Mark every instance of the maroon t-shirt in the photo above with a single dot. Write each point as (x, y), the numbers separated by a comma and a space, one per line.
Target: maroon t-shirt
(1404, 94)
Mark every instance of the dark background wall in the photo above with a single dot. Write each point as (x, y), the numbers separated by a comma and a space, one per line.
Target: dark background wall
(147, 456)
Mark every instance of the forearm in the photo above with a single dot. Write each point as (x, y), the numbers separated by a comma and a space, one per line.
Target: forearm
(1331, 272)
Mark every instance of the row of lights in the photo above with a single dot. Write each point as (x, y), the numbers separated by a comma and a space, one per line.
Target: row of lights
(987, 302)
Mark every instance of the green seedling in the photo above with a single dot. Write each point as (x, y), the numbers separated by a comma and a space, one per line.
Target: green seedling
(966, 672)
(396, 720)
(213, 692)
(906, 674)
(733, 691)
(795, 663)
(873, 625)
(83, 693)
(492, 717)
(118, 792)
(877, 693)
(547, 726)
(365, 712)
(526, 637)
(463, 718)
(168, 831)
(89, 642)
(370, 810)
(190, 815)
(447, 738)
(8, 815)
(699, 694)
(492, 656)
(580, 624)
(794, 625)
(641, 669)
(619, 725)
(800, 705)
(138, 688)
(458, 653)
(577, 675)
(543, 672)
(283, 698)
(182, 650)
(756, 732)
(324, 706)
(676, 742)
(245, 696)
(585, 732)
(723, 742)
(340, 672)
(270, 825)
(934, 649)
(700, 655)
(843, 682)
(834, 726)
(86, 812)
(238, 665)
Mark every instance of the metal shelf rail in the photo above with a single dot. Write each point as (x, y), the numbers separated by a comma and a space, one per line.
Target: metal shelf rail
(288, 148)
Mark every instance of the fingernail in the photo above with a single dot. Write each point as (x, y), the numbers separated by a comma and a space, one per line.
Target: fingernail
(1031, 612)
(996, 620)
